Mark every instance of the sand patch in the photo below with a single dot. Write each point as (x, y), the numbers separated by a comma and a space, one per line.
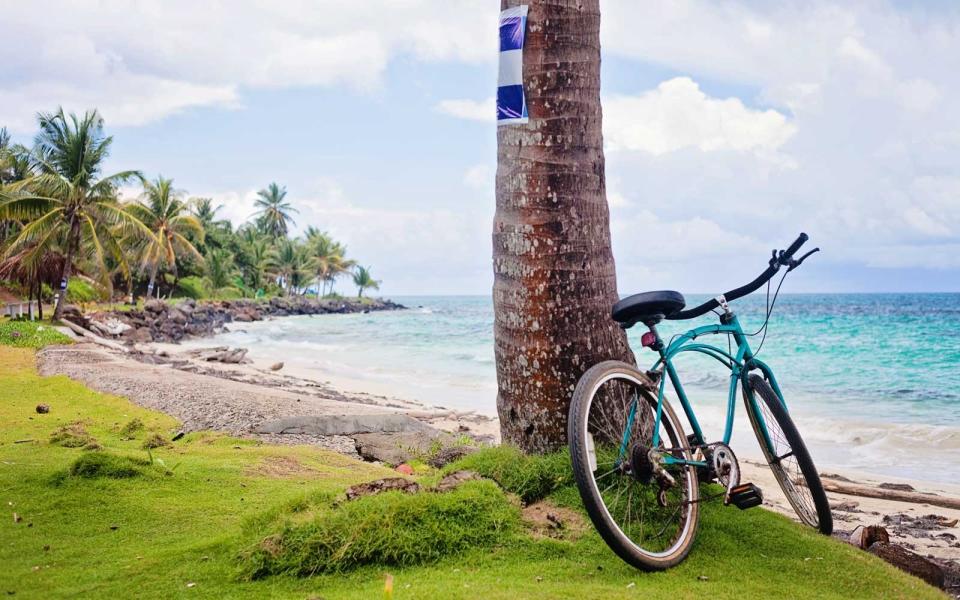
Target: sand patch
(280, 467)
(548, 520)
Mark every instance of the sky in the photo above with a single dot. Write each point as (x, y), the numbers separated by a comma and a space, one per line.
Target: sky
(729, 127)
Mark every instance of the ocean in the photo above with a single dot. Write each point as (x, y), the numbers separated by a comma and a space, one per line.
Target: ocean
(872, 380)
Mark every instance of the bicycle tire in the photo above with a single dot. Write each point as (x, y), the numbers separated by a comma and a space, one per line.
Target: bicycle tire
(606, 526)
(818, 515)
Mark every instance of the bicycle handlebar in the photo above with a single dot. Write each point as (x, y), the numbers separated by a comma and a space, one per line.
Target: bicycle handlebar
(782, 258)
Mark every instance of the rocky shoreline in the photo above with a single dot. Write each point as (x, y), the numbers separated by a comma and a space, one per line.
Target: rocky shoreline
(159, 321)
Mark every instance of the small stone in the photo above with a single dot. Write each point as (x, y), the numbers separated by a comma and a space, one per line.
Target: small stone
(114, 527)
(43, 409)
(405, 469)
(178, 435)
(631, 584)
(276, 366)
(539, 579)
(703, 578)
(17, 518)
(191, 584)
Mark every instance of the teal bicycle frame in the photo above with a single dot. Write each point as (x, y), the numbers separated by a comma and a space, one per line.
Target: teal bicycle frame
(740, 364)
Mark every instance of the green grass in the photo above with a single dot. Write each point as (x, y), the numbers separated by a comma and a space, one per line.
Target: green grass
(29, 334)
(190, 511)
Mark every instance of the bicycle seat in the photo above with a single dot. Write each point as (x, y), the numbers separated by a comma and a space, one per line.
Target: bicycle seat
(647, 308)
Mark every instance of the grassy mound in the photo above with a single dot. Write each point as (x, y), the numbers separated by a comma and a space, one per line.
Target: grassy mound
(111, 466)
(30, 334)
(73, 435)
(155, 440)
(131, 428)
(531, 478)
(393, 529)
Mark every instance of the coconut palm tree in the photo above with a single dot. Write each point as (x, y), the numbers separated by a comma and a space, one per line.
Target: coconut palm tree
(221, 271)
(253, 254)
(273, 211)
(552, 259)
(215, 230)
(162, 209)
(290, 263)
(67, 202)
(364, 281)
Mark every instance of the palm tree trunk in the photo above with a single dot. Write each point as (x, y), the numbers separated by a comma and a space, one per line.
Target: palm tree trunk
(555, 280)
(39, 299)
(73, 244)
(153, 279)
(176, 278)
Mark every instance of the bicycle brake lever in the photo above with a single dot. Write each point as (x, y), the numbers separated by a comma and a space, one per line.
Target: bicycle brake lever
(796, 263)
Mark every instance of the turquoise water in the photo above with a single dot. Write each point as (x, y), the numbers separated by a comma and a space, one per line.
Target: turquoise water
(872, 380)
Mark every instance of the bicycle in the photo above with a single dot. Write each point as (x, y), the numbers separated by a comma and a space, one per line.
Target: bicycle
(638, 474)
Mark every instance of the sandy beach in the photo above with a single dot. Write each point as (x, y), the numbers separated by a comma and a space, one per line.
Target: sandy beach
(240, 398)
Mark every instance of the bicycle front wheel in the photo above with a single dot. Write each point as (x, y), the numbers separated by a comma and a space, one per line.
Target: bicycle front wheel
(787, 455)
(643, 503)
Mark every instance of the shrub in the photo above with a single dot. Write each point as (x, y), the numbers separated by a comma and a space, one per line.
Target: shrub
(530, 477)
(192, 287)
(392, 528)
(79, 290)
(111, 466)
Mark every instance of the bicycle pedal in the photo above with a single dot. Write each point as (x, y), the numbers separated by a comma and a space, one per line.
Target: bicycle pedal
(746, 495)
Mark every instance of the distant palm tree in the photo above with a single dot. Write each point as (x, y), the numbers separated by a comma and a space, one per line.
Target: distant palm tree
(221, 271)
(162, 209)
(291, 264)
(252, 252)
(216, 231)
(273, 211)
(363, 280)
(66, 201)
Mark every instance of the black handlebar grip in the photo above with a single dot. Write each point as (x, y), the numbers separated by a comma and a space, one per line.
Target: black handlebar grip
(789, 252)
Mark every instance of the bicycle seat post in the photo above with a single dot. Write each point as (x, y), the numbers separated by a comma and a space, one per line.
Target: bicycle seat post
(651, 339)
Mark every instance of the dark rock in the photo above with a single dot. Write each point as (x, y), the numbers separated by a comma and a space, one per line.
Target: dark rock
(141, 335)
(347, 425)
(900, 487)
(177, 316)
(455, 480)
(371, 488)
(394, 448)
(155, 306)
(449, 454)
(43, 409)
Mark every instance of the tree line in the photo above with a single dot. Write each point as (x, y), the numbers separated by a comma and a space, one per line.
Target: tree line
(64, 227)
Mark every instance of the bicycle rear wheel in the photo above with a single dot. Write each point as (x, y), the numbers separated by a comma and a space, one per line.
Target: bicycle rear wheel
(644, 506)
(787, 455)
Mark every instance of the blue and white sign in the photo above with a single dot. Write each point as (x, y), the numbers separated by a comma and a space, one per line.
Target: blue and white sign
(511, 102)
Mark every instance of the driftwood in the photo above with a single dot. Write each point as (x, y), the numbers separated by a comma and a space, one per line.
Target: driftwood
(910, 562)
(864, 537)
(96, 339)
(866, 491)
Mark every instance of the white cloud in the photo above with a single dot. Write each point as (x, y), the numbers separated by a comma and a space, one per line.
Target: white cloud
(677, 115)
(473, 110)
(141, 62)
(480, 177)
